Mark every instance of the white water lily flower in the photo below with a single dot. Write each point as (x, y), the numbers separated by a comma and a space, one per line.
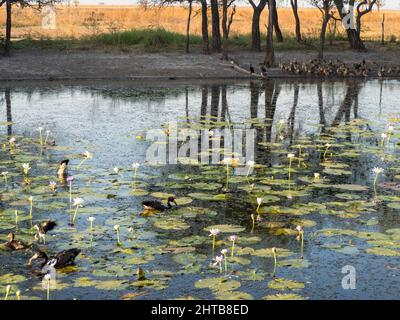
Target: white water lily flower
(40, 128)
(116, 227)
(224, 251)
(290, 155)
(47, 277)
(135, 165)
(91, 219)
(218, 260)
(377, 170)
(233, 238)
(78, 202)
(4, 173)
(390, 129)
(88, 155)
(26, 167)
(214, 232)
(328, 145)
(299, 229)
(317, 175)
(227, 161)
(116, 170)
(52, 184)
(11, 141)
(384, 135)
(259, 200)
(30, 198)
(251, 163)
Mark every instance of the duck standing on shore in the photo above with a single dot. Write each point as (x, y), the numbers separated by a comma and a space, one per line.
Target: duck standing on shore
(251, 69)
(263, 70)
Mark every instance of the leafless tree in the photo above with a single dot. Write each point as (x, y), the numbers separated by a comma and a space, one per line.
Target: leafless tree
(295, 7)
(277, 28)
(327, 12)
(216, 32)
(362, 7)
(269, 49)
(36, 4)
(204, 26)
(228, 8)
(255, 24)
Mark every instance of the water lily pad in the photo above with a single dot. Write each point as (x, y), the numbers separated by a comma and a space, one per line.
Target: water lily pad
(287, 296)
(226, 228)
(217, 284)
(171, 223)
(285, 284)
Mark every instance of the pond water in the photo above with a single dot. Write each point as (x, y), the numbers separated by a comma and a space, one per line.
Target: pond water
(351, 230)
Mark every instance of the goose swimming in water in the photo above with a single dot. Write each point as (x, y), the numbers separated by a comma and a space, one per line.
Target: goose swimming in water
(157, 205)
(13, 244)
(60, 260)
(62, 170)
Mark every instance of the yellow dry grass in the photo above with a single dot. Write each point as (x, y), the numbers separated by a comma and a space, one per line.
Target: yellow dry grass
(77, 21)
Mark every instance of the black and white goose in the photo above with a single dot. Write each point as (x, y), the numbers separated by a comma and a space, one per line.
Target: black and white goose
(43, 227)
(251, 69)
(60, 260)
(157, 205)
(263, 70)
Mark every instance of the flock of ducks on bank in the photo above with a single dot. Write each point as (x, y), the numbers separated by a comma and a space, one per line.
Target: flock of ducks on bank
(337, 68)
(66, 257)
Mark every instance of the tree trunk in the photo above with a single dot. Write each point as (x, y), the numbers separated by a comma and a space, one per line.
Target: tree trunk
(216, 33)
(188, 26)
(7, 45)
(204, 26)
(255, 31)
(352, 34)
(297, 19)
(255, 25)
(383, 30)
(322, 36)
(226, 26)
(224, 29)
(278, 32)
(269, 50)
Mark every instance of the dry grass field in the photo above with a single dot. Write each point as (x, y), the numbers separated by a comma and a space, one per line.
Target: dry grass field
(79, 21)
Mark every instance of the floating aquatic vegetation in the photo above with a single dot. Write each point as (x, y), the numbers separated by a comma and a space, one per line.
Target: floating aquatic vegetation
(287, 296)
(334, 194)
(282, 284)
